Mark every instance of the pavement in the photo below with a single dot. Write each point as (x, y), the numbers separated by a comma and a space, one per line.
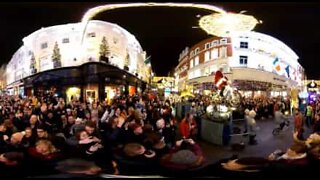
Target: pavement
(267, 143)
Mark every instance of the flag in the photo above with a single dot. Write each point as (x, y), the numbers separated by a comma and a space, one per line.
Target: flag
(275, 61)
(288, 71)
(276, 65)
(148, 60)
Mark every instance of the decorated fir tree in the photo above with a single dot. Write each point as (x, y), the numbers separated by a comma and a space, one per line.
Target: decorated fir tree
(33, 64)
(127, 61)
(104, 49)
(56, 56)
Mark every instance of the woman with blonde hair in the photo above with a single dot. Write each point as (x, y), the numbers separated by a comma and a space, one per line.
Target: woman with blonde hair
(44, 150)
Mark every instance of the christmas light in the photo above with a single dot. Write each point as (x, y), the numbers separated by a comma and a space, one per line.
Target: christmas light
(220, 23)
(96, 10)
(223, 24)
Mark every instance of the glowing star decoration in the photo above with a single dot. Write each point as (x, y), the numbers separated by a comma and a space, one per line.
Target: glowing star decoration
(223, 24)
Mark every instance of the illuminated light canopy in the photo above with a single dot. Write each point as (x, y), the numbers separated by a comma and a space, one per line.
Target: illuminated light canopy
(219, 24)
(223, 24)
(96, 10)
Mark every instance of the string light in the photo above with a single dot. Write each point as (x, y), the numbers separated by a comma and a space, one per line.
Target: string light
(96, 10)
(223, 24)
(220, 23)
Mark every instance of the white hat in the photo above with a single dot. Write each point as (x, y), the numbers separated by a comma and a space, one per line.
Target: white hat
(79, 120)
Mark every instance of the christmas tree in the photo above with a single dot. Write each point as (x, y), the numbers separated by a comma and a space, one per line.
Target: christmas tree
(33, 64)
(56, 56)
(104, 49)
(127, 61)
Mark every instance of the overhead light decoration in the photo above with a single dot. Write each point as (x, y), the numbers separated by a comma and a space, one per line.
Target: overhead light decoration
(223, 24)
(98, 9)
(220, 23)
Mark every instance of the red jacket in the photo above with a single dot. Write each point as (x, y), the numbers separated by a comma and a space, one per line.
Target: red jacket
(298, 122)
(185, 128)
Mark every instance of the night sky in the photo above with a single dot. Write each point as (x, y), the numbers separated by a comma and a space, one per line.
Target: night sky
(165, 32)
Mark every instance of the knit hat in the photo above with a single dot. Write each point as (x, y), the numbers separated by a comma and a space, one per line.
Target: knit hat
(133, 149)
(78, 166)
(184, 157)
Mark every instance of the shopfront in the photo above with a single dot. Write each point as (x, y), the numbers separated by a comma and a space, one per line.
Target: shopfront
(91, 82)
(112, 91)
(73, 93)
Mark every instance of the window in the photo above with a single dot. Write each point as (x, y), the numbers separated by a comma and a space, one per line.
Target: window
(207, 46)
(191, 53)
(65, 40)
(196, 60)
(223, 41)
(214, 53)
(243, 44)
(92, 34)
(243, 60)
(206, 56)
(197, 51)
(44, 45)
(223, 52)
(214, 43)
(191, 63)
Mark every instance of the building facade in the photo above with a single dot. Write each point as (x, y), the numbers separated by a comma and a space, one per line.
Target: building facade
(81, 60)
(255, 63)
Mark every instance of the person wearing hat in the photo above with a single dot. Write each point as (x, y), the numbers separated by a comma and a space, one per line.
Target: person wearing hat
(221, 82)
(185, 155)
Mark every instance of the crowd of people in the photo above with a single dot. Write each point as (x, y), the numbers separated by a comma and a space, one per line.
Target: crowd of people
(132, 135)
(133, 130)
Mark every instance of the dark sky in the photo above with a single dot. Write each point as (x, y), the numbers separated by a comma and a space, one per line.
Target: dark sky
(164, 32)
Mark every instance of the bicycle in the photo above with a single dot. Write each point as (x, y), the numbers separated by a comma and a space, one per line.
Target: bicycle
(282, 127)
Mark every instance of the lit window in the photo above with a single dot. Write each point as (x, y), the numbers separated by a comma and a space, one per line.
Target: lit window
(207, 46)
(65, 40)
(206, 56)
(214, 53)
(191, 63)
(44, 45)
(197, 51)
(243, 60)
(223, 41)
(92, 34)
(243, 44)
(223, 52)
(215, 43)
(196, 60)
